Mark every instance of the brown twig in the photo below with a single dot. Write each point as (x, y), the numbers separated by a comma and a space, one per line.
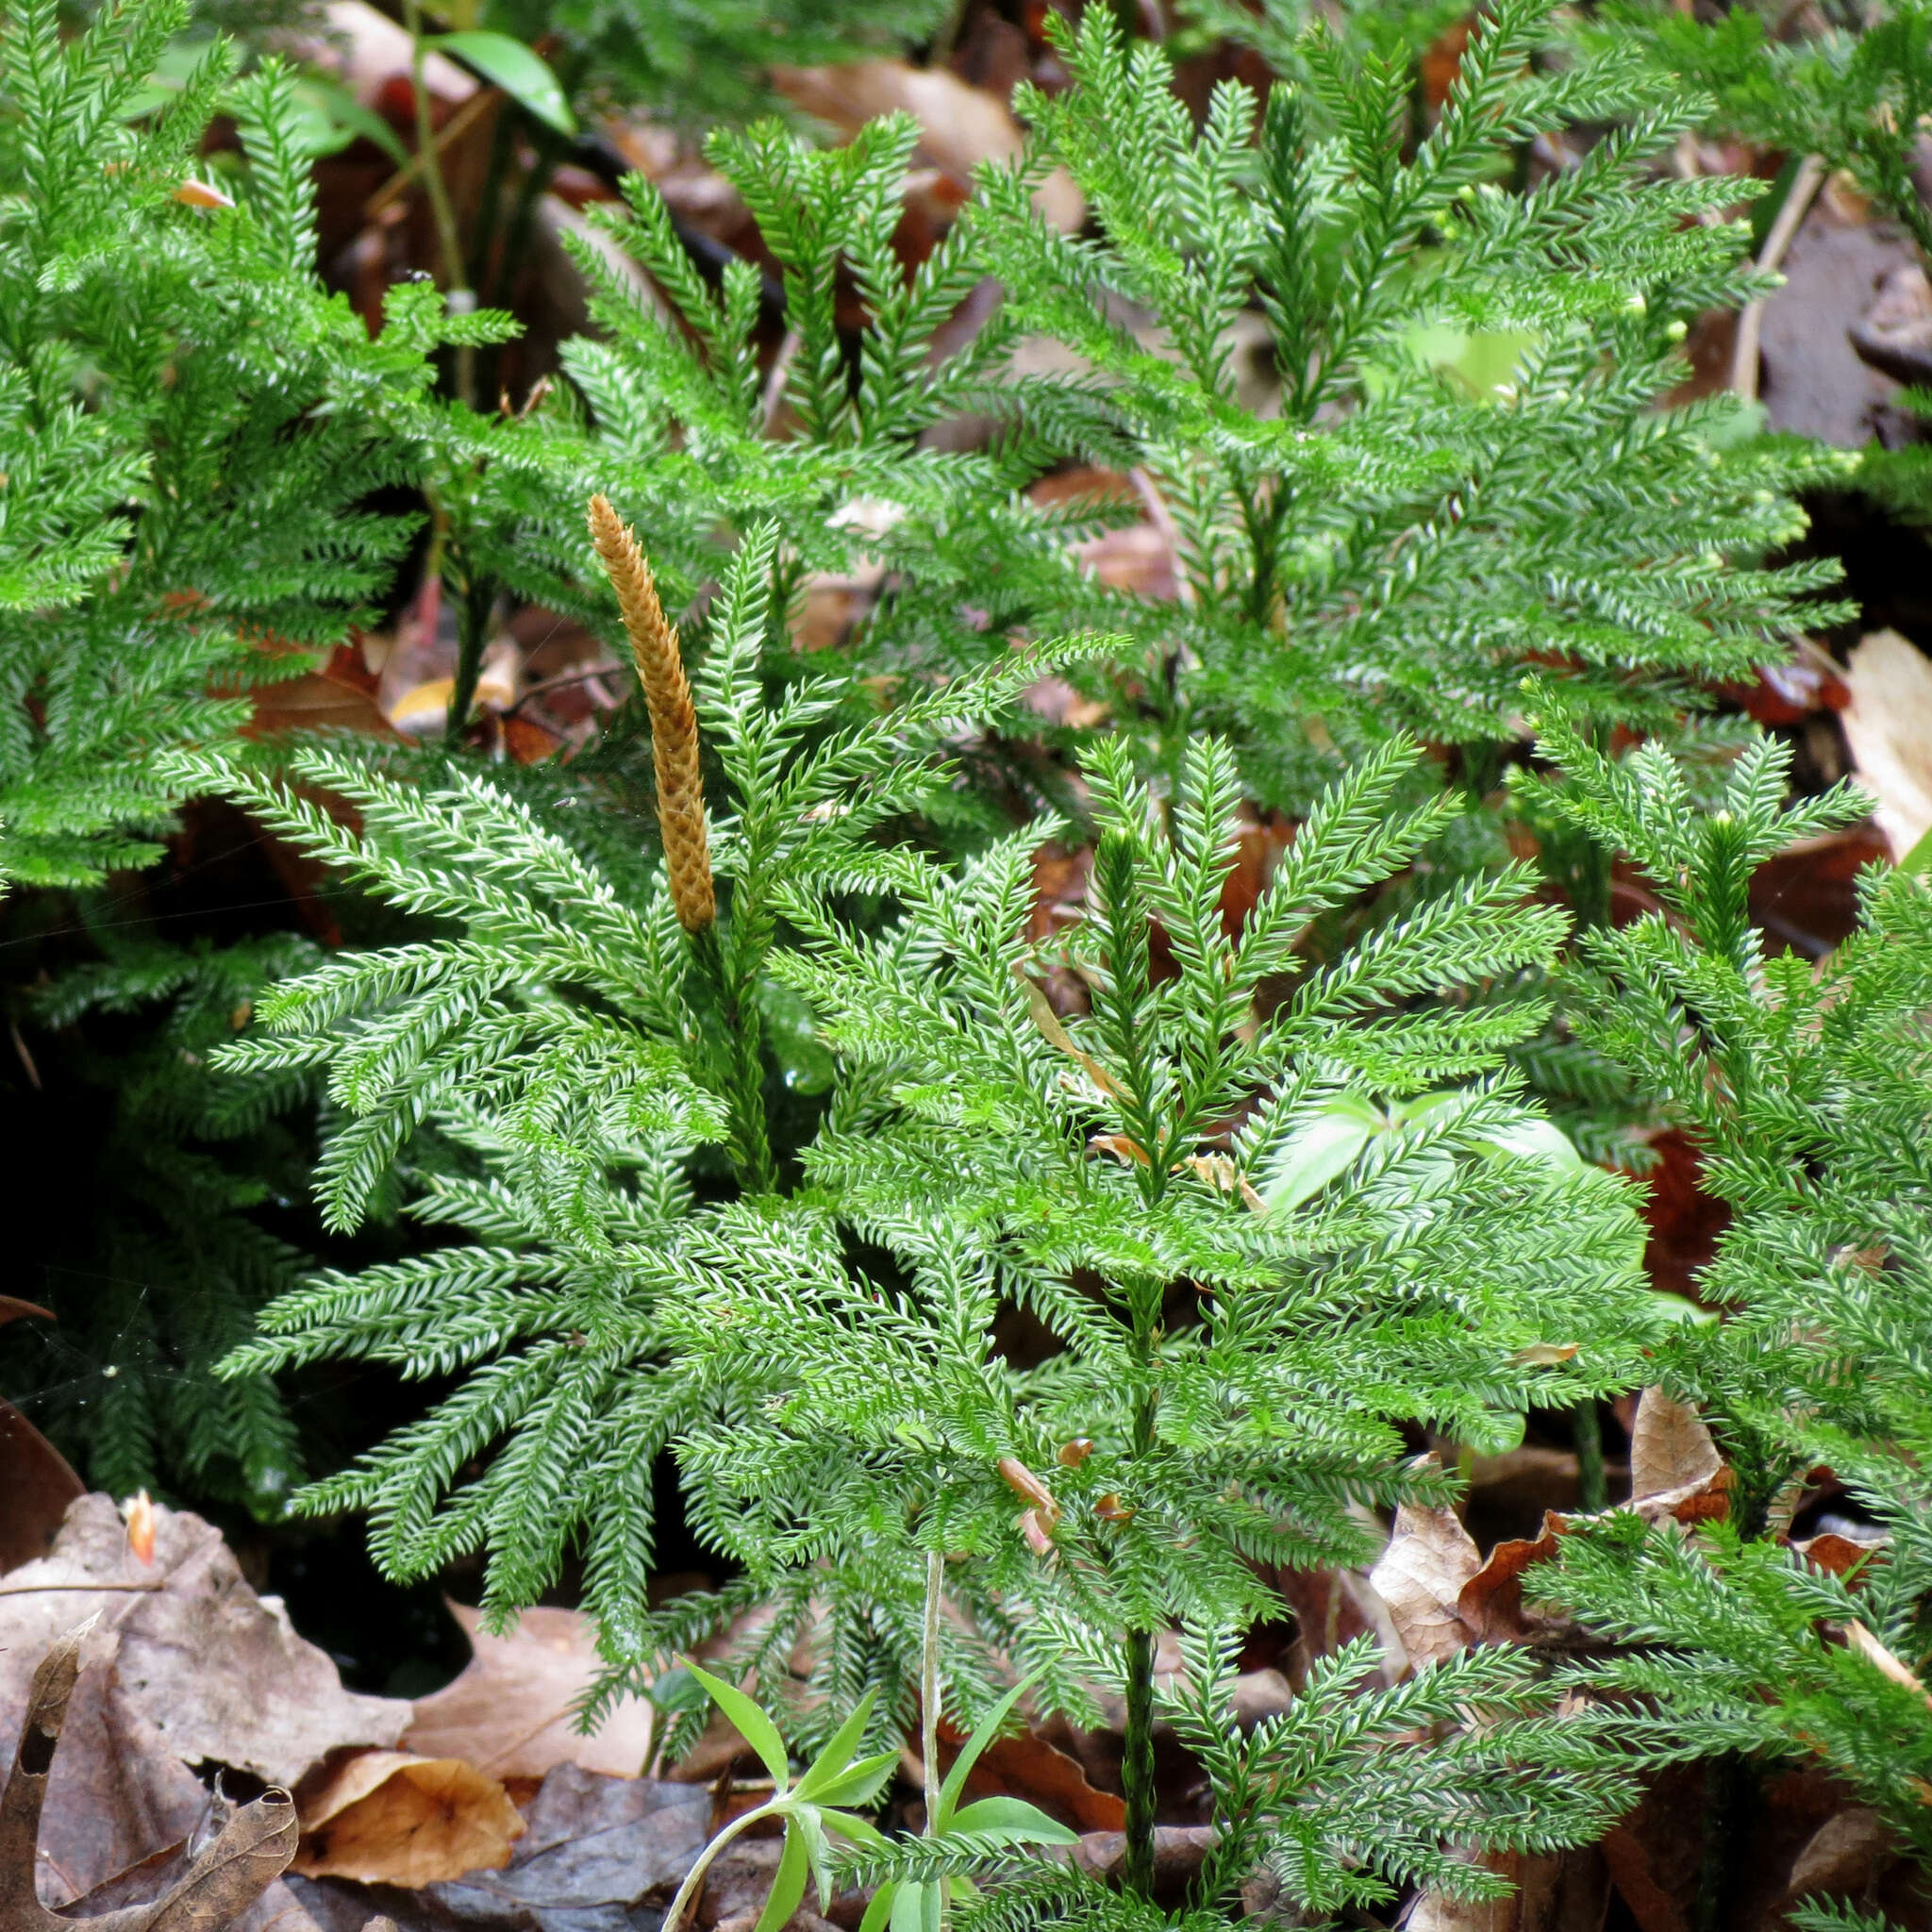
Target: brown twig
(44, 1589)
(452, 131)
(1804, 184)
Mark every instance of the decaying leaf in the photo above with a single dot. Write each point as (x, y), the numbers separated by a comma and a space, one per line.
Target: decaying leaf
(216, 1669)
(511, 1712)
(1442, 1593)
(1889, 726)
(1491, 1603)
(387, 1818)
(1674, 1466)
(1026, 1765)
(1421, 1577)
(596, 1849)
(224, 1879)
(1839, 1556)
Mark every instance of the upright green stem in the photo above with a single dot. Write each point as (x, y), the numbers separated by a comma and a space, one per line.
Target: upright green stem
(1726, 1805)
(929, 1689)
(1587, 1430)
(474, 603)
(456, 282)
(1590, 900)
(1136, 1768)
(742, 1066)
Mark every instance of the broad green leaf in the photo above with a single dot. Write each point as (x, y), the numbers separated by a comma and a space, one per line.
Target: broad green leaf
(523, 76)
(859, 1784)
(329, 117)
(862, 1831)
(880, 1910)
(788, 1882)
(754, 1726)
(1318, 1150)
(832, 1763)
(678, 1692)
(1010, 1821)
(984, 1733)
(1533, 1138)
(916, 1909)
(811, 1827)
(1670, 1308)
(1919, 858)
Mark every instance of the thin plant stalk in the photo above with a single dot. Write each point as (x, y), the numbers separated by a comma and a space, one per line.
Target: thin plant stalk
(457, 290)
(1137, 1765)
(694, 1880)
(1593, 1491)
(929, 1689)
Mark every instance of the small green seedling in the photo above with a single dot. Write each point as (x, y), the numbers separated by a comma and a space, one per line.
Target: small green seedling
(988, 1826)
(814, 1806)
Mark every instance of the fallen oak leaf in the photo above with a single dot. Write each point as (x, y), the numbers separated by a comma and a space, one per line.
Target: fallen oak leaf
(216, 1671)
(1026, 1765)
(511, 1712)
(1888, 726)
(1491, 1603)
(1676, 1471)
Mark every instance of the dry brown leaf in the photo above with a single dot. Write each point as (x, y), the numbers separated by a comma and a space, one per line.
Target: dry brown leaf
(1491, 1603)
(1888, 723)
(1179, 1852)
(422, 710)
(1134, 556)
(219, 1885)
(1421, 1576)
(36, 1484)
(961, 125)
(1839, 1556)
(201, 1671)
(511, 1713)
(1670, 1450)
(1844, 1854)
(386, 1818)
(1028, 1766)
(1560, 1892)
